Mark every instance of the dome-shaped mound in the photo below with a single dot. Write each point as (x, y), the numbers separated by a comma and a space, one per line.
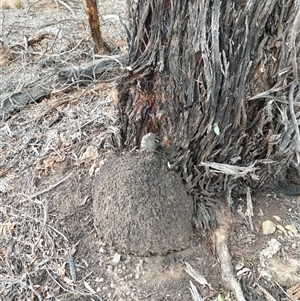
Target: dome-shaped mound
(140, 206)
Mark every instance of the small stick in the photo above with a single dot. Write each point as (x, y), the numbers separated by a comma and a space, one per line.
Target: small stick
(249, 211)
(72, 265)
(50, 187)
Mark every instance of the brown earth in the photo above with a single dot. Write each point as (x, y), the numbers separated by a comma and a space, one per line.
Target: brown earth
(50, 248)
(140, 207)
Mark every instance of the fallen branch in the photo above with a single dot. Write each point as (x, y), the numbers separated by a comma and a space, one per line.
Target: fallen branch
(94, 71)
(19, 100)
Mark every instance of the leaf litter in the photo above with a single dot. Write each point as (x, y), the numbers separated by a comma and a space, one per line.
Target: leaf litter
(38, 259)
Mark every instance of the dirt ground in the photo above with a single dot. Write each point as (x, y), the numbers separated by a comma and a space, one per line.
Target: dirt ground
(49, 158)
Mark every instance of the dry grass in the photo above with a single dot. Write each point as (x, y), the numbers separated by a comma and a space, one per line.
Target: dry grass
(36, 258)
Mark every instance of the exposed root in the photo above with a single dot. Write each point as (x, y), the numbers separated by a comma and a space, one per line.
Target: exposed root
(221, 238)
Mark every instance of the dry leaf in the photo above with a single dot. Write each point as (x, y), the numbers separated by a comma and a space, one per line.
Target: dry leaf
(195, 294)
(67, 280)
(294, 292)
(291, 228)
(88, 287)
(221, 297)
(61, 271)
(193, 273)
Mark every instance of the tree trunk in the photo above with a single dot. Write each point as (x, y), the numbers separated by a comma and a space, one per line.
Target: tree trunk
(217, 81)
(92, 13)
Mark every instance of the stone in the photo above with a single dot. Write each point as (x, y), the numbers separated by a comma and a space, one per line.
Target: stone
(268, 227)
(281, 229)
(140, 206)
(117, 258)
(90, 153)
(291, 228)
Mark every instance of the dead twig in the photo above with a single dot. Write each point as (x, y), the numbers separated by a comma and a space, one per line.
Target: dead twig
(195, 294)
(67, 6)
(50, 187)
(249, 211)
(267, 294)
(72, 265)
(283, 290)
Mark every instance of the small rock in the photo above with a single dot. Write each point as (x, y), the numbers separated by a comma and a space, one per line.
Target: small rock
(150, 142)
(90, 153)
(102, 250)
(117, 258)
(291, 228)
(239, 266)
(137, 276)
(272, 249)
(268, 227)
(277, 218)
(281, 229)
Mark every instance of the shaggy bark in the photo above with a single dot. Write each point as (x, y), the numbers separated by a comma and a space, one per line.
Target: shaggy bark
(217, 81)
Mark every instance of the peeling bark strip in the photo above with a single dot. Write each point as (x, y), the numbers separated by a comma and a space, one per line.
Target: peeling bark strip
(197, 67)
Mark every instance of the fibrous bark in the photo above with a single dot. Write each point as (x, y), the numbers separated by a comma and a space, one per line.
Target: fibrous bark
(213, 79)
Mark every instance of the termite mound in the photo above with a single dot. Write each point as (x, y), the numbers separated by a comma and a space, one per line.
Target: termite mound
(140, 206)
